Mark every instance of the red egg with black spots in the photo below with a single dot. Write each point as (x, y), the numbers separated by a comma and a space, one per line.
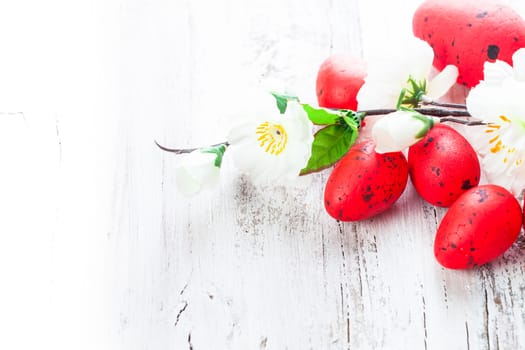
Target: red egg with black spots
(443, 165)
(365, 183)
(468, 33)
(479, 227)
(338, 81)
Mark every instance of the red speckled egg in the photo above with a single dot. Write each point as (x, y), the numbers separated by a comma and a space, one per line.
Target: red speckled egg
(339, 79)
(365, 183)
(467, 33)
(480, 226)
(443, 165)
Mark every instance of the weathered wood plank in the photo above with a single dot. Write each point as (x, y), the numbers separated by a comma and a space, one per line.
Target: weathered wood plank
(122, 261)
(248, 268)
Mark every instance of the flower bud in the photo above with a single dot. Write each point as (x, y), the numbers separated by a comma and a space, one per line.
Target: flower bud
(399, 130)
(196, 171)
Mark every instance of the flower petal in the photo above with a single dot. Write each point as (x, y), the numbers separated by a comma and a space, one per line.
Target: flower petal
(384, 138)
(196, 171)
(240, 132)
(442, 82)
(417, 56)
(387, 76)
(518, 61)
(496, 72)
(501, 144)
(482, 102)
(378, 94)
(275, 148)
(506, 166)
(399, 130)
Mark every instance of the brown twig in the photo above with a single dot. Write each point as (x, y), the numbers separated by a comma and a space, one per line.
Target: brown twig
(463, 121)
(187, 150)
(436, 112)
(446, 105)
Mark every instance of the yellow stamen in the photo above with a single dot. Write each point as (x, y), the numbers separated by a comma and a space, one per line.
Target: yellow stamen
(272, 137)
(497, 144)
(497, 147)
(504, 118)
(492, 140)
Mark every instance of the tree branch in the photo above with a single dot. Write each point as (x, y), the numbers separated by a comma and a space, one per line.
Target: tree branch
(436, 112)
(187, 150)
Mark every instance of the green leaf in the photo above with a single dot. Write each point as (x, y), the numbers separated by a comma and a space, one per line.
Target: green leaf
(321, 116)
(428, 123)
(282, 101)
(218, 151)
(357, 117)
(401, 98)
(330, 144)
(350, 122)
(412, 95)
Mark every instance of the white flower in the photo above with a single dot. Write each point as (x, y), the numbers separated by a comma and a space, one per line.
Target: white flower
(197, 171)
(399, 130)
(388, 76)
(498, 100)
(275, 147)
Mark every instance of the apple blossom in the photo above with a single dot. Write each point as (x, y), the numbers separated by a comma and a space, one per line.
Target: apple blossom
(274, 147)
(405, 70)
(498, 100)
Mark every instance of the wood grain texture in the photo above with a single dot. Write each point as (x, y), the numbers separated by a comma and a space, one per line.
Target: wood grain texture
(98, 248)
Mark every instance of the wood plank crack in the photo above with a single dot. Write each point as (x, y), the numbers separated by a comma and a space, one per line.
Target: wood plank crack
(264, 343)
(179, 314)
(486, 317)
(345, 306)
(445, 292)
(358, 260)
(424, 320)
(184, 288)
(467, 335)
(325, 266)
(190, 344)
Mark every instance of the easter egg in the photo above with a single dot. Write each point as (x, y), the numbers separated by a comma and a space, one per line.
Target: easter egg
(443, 165)
(365, 183)
(480, 226)
(339, 79)
(469, 32)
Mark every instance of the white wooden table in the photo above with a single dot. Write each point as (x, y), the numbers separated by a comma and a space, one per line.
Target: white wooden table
(99, 251)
